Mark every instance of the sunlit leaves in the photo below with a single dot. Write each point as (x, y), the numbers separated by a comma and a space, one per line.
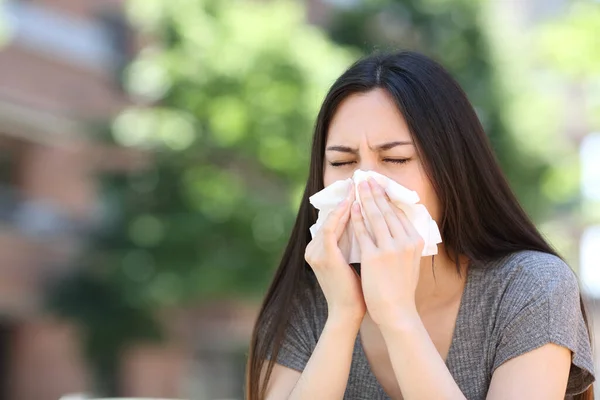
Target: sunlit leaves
(146, 78)
(572, 44)
(152, 127)
(228, 120)
(212, 191)
(146, 15)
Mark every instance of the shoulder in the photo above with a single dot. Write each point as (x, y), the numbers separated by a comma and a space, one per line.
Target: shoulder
(528, 289)
(528, 275)
(531, 292)
(534, 299)
(534, 265)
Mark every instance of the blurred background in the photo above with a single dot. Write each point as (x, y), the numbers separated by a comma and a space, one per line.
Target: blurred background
(153, 154)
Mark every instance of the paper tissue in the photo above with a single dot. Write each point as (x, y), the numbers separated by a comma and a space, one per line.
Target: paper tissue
(327, 200)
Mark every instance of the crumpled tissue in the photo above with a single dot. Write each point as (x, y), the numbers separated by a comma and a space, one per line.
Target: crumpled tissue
(328, 199)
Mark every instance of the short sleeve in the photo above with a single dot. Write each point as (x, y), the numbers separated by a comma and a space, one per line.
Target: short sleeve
(302, 331)
(544, 307)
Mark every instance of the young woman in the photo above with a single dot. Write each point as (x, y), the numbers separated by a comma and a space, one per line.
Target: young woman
(496, 314)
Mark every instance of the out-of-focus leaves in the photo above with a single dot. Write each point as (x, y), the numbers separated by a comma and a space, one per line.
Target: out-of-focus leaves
(571, 43)
(239, 83)
(227, 96)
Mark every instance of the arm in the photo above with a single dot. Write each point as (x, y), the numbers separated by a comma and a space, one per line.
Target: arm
(390, 267)
(326, 373)
(539, 374)
(422, 374)
(420, 370)
(549, 313)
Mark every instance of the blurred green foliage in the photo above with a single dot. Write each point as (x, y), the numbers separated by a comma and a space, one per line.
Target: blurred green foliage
(551, 82)
(227, 96)
(569, 46)
(571, 43)
(238, 85)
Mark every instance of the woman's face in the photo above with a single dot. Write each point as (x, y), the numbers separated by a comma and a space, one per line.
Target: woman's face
(368, 132)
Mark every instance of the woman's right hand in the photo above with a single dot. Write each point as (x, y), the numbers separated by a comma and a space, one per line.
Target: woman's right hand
(338, 280)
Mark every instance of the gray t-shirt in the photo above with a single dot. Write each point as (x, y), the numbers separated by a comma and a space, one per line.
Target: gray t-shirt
(509, 307)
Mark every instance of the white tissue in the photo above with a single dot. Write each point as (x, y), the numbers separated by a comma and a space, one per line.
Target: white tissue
(327, 200)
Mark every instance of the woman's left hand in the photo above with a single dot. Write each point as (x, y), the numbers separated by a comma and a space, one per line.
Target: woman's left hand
(390, 263)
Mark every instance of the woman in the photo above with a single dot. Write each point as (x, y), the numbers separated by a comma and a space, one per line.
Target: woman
(495, 314)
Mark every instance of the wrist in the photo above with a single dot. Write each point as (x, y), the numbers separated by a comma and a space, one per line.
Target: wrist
(348, 320)
(402, 323)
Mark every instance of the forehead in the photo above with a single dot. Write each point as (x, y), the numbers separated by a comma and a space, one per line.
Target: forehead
(373, 114)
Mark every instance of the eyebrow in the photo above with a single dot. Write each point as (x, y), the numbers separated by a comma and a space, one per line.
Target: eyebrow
(381, 147)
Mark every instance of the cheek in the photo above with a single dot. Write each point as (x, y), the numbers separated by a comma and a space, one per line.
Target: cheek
(417, 181)
(333, 174)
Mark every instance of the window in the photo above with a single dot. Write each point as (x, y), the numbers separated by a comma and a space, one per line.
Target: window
(44, 30)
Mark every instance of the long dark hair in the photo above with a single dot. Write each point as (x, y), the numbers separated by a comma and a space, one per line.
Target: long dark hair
(481, 217)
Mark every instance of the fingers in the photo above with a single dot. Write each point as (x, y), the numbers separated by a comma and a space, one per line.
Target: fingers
(343, 221)
(360, 230)
(381, 232)
(388, 211)
(330, 226)
(410, 229)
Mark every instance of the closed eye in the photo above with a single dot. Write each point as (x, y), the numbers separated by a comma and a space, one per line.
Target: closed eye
(391, 160)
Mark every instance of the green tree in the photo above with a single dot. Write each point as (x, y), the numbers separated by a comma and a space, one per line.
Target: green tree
(229, 91)
(567, 46)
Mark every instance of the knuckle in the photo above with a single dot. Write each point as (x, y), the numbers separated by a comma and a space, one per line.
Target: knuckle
(407, 247)
(419, 242)
(329, 246)
(379, 257)
(309, 247)
(313, 260)
(367, 257)
(413, 243)
(311, 253)
(388, 246)
(387, 251)
(328, 230)
(308, 257)
(337, 211)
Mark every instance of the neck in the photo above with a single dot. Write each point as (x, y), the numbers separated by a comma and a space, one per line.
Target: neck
(440, 284)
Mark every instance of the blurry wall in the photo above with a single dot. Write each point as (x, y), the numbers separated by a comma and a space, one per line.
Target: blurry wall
(59, 73)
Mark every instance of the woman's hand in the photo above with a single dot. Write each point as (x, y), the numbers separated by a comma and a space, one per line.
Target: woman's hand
(390, 262)
(338, 280)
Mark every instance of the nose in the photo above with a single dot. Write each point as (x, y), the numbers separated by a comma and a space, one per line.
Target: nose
(369, 163)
